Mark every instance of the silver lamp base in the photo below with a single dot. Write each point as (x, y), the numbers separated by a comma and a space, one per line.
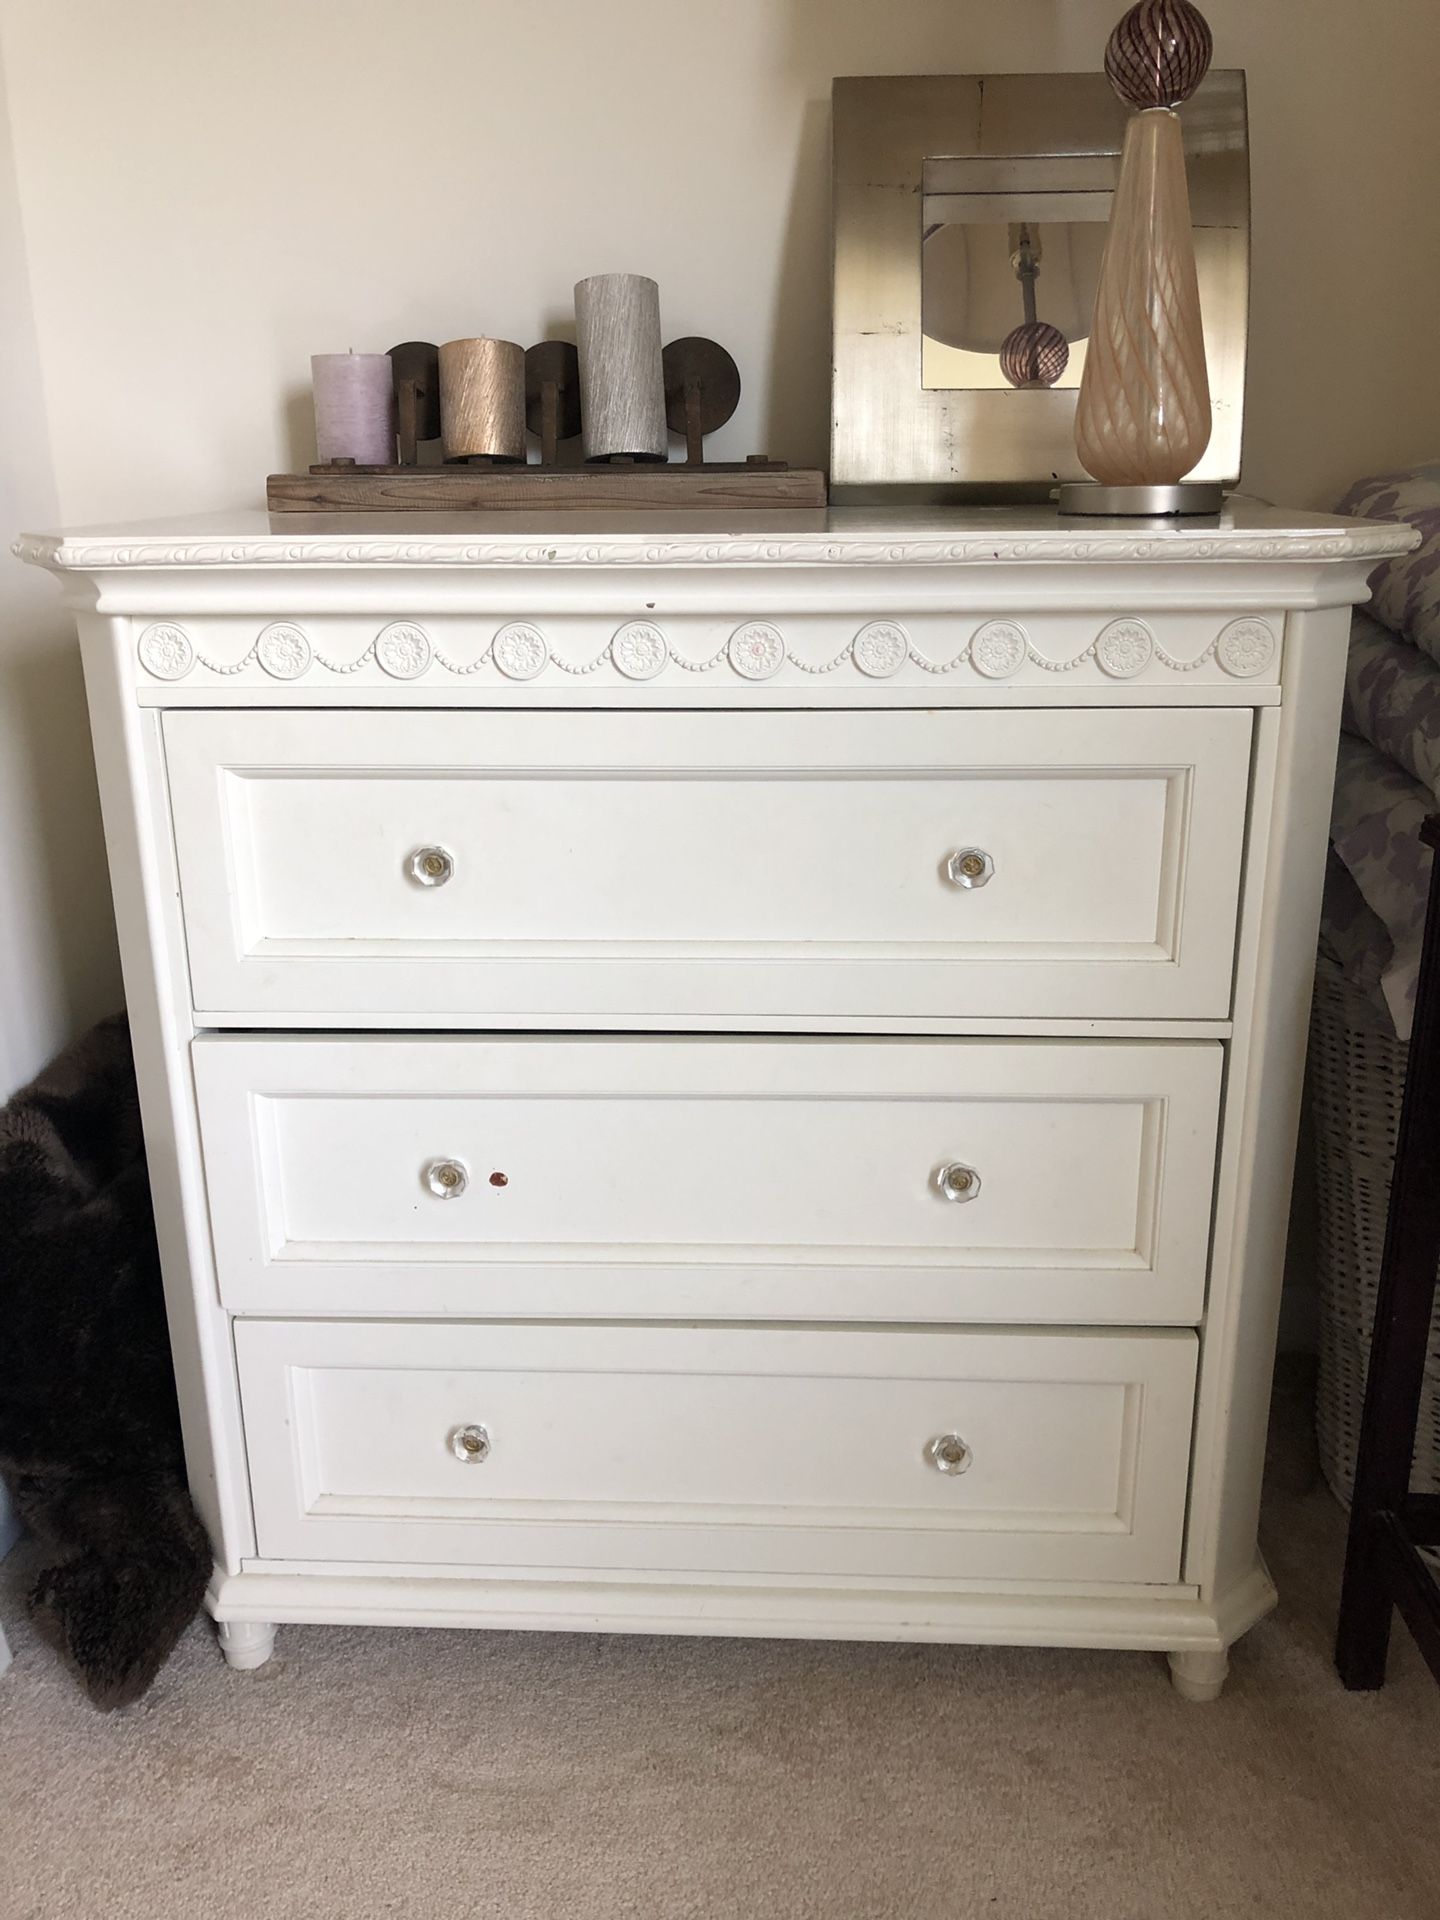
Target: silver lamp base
(1118, 503)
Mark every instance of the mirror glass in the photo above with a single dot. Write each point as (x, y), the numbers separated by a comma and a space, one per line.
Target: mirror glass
(1010, 255)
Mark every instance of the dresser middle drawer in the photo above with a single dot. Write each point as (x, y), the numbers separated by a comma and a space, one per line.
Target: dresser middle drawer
(676, 869)
(937, 1180)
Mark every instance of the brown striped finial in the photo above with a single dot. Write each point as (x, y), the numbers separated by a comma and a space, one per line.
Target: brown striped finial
(1159, 53)
(1034, 355)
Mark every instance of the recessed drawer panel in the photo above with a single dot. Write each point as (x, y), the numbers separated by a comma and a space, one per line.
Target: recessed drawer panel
(954, 1180)
(478, 868)
(949, 1455)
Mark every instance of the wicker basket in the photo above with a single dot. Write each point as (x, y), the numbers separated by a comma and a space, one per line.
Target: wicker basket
(1356, 1077)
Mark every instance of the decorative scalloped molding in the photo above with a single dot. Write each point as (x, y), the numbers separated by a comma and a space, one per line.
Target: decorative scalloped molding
(795, 550)
(755, 651)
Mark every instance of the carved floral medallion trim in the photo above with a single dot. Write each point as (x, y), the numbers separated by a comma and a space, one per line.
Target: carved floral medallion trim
(999, 649)
(1246, 647)
(403, 650)
(1125, 648)
(165, 650)
(881, 649)
(756, 650)
(284, 650)
(520, 650)
(639, 650)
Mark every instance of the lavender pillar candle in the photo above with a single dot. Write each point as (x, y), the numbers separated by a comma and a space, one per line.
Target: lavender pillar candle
(354, 407)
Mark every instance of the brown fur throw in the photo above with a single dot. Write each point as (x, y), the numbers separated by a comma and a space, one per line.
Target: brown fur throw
(89, 1433)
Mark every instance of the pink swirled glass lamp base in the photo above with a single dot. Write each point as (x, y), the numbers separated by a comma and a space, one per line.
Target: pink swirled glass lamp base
(1142, 421)
(1143, 418)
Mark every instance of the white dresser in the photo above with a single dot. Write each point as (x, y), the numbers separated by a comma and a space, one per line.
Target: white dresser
(731, 1074)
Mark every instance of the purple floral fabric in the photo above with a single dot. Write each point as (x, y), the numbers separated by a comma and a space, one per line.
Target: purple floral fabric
(1406, 591)
(1375, 831)
(1388, 773)
(1392, 699)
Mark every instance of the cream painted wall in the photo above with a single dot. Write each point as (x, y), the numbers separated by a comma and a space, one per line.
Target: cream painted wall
(57, 949)
(58, 970)
(213, 190)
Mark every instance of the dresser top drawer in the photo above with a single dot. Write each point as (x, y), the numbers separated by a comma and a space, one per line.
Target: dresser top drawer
(474, 868)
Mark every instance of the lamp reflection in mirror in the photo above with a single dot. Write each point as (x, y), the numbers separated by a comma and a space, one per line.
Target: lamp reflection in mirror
(1034, 354)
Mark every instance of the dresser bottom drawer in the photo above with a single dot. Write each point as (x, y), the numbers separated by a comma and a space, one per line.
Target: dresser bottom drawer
(948, 1455)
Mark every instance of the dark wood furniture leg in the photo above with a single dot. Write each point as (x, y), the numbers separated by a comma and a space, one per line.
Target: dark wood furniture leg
(1383, 1568)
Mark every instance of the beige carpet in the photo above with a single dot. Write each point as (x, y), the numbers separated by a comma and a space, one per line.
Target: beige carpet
(441, 1776)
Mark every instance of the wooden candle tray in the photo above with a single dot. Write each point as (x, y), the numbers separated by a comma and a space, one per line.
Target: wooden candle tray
(600, 488)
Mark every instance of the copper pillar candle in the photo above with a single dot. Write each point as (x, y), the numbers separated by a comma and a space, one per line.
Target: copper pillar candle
(482, 400)
(354, 407)
(622, 378)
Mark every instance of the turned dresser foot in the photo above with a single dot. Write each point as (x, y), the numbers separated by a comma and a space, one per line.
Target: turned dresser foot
(1199, 1676)
(246, 1644)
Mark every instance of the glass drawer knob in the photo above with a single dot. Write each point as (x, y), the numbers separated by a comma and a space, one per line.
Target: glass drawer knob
(470, 1444)
(948, 1453)
(956, 1181)
(447, 1178)
(431, 866)
(969, 867)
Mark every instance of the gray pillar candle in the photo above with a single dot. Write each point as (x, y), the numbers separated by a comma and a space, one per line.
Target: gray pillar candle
(622, 379)
(482, 399)
(354, 407)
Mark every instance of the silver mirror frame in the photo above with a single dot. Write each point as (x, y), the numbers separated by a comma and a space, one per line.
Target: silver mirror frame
(890, 437)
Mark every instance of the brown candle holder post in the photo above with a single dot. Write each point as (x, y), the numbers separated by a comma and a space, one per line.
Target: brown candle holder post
(702, 390)
(417, 396)
(552, 395)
